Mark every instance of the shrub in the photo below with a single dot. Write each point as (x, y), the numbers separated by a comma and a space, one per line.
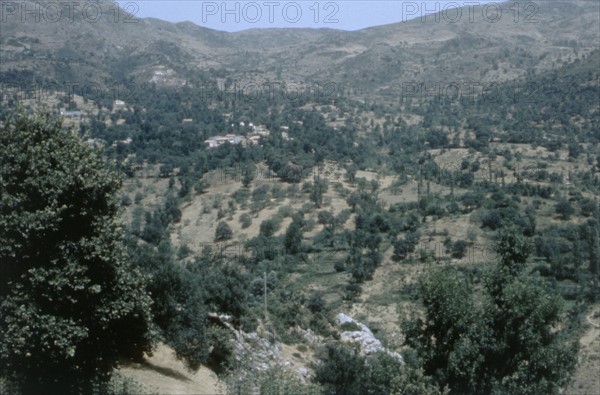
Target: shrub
(223, 232)
(350, 327)
(245, 220)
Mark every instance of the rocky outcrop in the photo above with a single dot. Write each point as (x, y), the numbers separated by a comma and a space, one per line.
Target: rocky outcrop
(260, 351)
(362, 336)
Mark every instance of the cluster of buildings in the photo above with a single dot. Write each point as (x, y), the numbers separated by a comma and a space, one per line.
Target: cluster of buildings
(215, 141)
(251, 138)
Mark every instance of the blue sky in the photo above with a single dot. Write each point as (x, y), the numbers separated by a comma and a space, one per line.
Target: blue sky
(340, 14)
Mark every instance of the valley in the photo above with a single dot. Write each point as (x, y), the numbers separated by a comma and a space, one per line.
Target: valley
(436, 182)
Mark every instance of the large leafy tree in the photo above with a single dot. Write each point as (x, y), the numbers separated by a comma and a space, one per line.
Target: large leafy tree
(70, 304)
(507, 342)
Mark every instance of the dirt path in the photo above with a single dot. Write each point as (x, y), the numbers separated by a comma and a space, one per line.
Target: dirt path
(587, 378)
(164, 374)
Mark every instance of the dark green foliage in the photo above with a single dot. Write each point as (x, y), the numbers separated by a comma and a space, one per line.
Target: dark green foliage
(588, 207)
(273, 381)
(459, 249)
(350, 326)
(221, 355)
(245, 220)
(225, 286)
(342, 370)
(352, 290)
(125, 201)
(166, 170)
(326, 218)
(572, 253)
(292, 240)
(513, 249)
(178, 307)
(248, 176)
(157, 222)
(564, 209)
(339, 266)
(319, 188)
(70, 304)
(406, 245)
(508, 343)
(223, 232)
(183, 296)
(268, 227)
(186, 184)
(316, 303)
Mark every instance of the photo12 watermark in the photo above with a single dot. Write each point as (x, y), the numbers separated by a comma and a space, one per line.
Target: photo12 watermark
(465, 252)
(328, 171)
(52, 93)
(469, 92)
(239, 92)
(452, 175)
(68, 11)
(470, 11)
(272, 91)
(272, 13)
(269, 250)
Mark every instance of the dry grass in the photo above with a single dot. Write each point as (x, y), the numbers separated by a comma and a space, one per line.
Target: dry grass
(163, 373)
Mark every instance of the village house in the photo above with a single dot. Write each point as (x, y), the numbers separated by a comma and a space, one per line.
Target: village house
(216, 141)
(252, 138)
(70, 114)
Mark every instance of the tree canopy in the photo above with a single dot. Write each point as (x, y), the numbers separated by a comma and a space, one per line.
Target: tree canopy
(70, 304)
(507, 343)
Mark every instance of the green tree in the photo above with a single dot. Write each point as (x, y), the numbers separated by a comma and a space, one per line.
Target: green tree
(268, 227)
(319, 188)
(351, 173)
(245, 220)
(564, 209)
(459, 249)
(248, 176)
(340, 370)
(223, 232)
(507, 343)
(70, 304)
(292, 240)
(513, 249)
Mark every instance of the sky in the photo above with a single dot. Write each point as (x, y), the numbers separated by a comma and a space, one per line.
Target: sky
(228, 15)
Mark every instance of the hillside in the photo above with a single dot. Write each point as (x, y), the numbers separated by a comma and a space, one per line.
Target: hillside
(421, 218)
(375, 61)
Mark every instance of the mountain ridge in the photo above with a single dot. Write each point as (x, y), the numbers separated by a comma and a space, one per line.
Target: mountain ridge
(375, 61)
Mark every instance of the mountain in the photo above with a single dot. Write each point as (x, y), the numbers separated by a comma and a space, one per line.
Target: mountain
(118, 48)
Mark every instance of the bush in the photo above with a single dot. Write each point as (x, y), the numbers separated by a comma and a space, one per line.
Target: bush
(223, 232)
(316, 303)
(459, 249)
(350, 327)
(245, 220)
(125, 201)
(564, 209)
(268, 227)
